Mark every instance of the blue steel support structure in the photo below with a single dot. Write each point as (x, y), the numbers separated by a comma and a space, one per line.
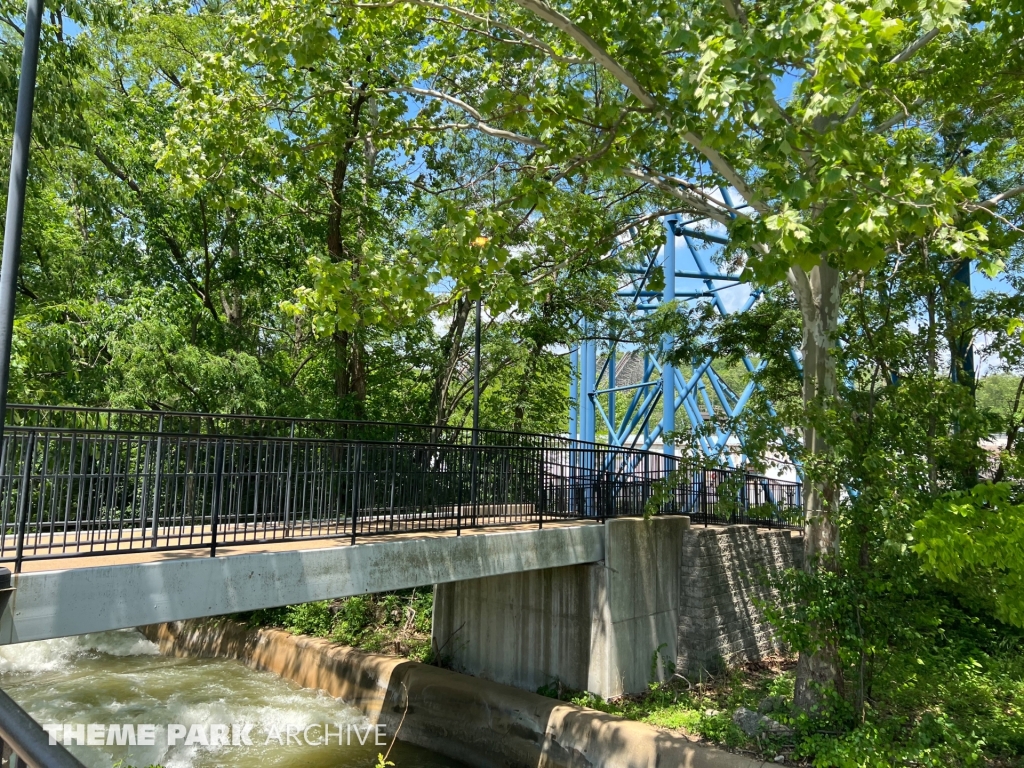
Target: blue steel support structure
(668, 371)
(636, 407)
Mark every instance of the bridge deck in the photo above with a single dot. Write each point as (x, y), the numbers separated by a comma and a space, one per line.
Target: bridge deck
(202, 551)
(103, 592)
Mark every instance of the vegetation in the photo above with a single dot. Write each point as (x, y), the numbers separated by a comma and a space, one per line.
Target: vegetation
(390, 622)
(952, 695)
(997, 394)
(292, 208)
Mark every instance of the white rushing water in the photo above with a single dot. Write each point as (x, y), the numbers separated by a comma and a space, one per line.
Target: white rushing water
(120, 678)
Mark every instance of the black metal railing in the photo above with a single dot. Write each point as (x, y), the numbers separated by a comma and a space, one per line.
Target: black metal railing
(24, 742)
(180, 422)
(81, 482)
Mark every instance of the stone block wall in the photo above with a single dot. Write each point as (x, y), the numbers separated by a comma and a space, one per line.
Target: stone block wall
(722, 575)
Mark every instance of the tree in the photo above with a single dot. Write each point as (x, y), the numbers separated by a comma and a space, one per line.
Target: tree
(690, 96)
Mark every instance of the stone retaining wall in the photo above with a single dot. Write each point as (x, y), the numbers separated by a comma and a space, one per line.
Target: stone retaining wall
(723, 578)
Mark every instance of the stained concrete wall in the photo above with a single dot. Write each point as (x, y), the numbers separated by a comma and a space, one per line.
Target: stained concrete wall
(480, 723)
(724, 576)
(594, 627)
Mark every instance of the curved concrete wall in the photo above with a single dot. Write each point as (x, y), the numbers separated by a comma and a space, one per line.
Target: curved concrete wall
(482, 723)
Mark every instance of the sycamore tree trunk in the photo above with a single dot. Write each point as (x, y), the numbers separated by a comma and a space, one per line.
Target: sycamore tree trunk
(818, 294)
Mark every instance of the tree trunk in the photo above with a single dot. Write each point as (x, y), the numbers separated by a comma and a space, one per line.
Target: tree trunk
(524, 386)
(452, 350)
(349, 352)
(818, 295)
(350, 369)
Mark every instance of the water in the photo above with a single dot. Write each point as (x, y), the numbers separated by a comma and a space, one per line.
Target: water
(120, 678)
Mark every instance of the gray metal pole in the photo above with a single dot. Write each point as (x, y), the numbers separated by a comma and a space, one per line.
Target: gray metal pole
(476, 376)
(16, 195)
(28, 739)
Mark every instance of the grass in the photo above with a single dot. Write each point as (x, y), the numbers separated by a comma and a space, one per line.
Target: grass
(958, 704)
(396, 623)
(703, 709)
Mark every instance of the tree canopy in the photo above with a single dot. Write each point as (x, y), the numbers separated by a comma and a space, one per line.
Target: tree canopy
(290, 208)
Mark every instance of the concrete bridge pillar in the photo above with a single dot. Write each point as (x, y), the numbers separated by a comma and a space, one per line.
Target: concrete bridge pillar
(608, 627)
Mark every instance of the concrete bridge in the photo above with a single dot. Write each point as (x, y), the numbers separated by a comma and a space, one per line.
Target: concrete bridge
(542, 567)
(600, 606)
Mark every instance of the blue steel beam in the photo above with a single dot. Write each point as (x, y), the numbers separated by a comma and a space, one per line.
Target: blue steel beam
(698, 398)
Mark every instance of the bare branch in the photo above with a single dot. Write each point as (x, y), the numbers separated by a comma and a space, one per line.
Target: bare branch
(624, 76)
(915, 46)
(801, 286)
(735, 11)
(119, 173)
(523, 35)
(995, 200)
(589, 44)
(899, 117)
(518, 41)
(697, 204)
(478, 119)
(6, 20)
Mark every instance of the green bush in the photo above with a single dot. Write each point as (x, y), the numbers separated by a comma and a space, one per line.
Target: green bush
(375, 623)
(310, 619)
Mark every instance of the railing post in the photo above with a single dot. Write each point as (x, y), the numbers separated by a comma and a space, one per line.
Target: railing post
(157, 478)
(356, 488)
(746, 496)
(458, 504)
(145, 485)
(540, 486)
(704, 495)
(288, 480)
(218, 490)
(24, 498)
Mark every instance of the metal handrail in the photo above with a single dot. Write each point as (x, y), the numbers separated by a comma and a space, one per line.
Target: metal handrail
(29, 741)
(15, 411)
(69, 492)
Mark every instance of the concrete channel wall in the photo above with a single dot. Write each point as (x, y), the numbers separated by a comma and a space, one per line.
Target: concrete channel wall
(482, 723)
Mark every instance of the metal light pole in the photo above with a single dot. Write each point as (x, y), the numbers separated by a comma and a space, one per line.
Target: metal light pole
(16, 196)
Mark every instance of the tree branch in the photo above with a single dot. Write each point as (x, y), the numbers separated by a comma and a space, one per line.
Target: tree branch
(524, 36)
(801, 286)
(914, 47)
(177, 252)
(624, 76)
(735, 11)
(119, 173)
(697, 204)
(995, 200)
(899, 117)
(518, 41)
(478, 123)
